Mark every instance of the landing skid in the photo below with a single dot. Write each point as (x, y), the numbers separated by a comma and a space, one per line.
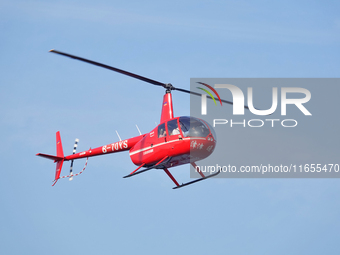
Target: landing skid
(161, 165)
(197, 180)
(138, 172)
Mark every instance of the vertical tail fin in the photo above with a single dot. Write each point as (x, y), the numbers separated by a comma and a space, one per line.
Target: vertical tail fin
(60, 153)
(58, 171)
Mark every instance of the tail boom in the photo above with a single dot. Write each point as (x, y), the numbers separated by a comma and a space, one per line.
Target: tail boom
(106, 149)
(123, 145)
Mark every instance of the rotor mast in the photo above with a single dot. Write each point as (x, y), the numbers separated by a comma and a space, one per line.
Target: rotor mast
(167, 106)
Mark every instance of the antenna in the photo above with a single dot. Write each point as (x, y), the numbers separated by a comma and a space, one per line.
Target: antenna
(118, 136)
(138, 130)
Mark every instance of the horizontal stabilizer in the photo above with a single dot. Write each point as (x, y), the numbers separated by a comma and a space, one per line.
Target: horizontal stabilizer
(55, 158)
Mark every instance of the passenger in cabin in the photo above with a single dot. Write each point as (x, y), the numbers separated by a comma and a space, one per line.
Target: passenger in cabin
(161, 131)
(175, 131)
(173, 127)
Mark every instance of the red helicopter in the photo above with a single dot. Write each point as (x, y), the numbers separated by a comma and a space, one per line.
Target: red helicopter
(175, 141)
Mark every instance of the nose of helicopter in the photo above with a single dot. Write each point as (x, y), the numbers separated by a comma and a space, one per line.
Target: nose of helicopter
(203, 146)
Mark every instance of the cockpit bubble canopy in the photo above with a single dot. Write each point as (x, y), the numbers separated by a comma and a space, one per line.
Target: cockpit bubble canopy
(193, 127)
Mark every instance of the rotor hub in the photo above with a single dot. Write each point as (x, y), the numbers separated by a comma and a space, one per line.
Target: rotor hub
(169, 87)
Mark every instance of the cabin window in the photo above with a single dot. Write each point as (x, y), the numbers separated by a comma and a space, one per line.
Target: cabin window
(161, 131)
(173, 127)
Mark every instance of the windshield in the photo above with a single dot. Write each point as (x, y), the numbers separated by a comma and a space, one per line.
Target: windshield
(192, 127)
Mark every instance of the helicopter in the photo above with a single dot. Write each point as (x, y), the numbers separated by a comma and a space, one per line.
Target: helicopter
(175, 141)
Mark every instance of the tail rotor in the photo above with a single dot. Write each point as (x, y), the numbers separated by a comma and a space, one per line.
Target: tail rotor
(74, 151)
(59, 160)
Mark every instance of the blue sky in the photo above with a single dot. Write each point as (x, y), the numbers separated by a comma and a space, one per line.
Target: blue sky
(99, 211)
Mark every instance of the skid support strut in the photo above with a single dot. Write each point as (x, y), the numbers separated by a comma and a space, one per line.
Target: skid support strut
(148, 168)
(171, 177)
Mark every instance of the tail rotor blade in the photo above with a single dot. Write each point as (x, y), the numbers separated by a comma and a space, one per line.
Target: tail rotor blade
(74, 151)
(71, 172)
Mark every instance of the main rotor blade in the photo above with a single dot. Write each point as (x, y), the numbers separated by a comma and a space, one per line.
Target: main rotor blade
(136, 76)
(157, 83)
(198, 94)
